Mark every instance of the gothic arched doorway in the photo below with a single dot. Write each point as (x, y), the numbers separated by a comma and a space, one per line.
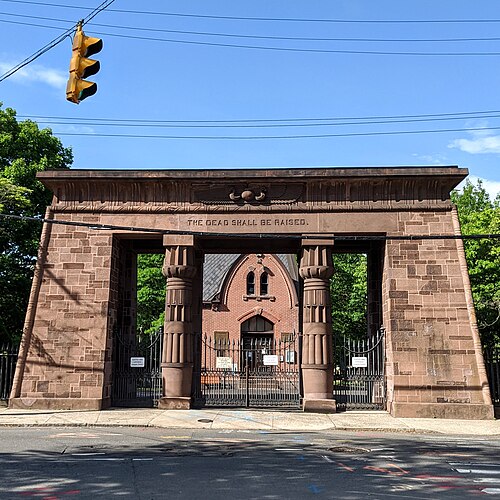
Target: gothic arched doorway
(257, 335)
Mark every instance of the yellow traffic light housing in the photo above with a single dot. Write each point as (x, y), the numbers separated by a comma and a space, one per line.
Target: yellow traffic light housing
(81, 67)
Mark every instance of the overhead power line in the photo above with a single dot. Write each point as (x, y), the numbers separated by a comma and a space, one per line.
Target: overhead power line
(113, 227)
(460, 114)
(284, 19)
(257, 37)
(280, 49)
(117, 123)
(275, 137)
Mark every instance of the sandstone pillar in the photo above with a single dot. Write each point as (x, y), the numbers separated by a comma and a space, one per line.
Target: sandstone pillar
(316, 269)
(179, 268)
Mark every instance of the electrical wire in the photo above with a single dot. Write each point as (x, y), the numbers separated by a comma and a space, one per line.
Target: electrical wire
(461, 114)
(296, 49)
(273, 19)
(112, 123)
(261, 37)
(274, 137)
(387, 237)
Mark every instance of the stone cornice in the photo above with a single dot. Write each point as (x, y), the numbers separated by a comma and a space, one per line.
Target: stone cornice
(240, 191)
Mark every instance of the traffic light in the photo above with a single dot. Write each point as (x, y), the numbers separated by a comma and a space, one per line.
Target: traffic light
(81, 67)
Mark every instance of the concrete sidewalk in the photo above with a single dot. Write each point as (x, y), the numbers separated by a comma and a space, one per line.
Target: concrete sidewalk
(224, 419)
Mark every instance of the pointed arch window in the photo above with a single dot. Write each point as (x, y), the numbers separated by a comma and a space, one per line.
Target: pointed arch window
(251, 283)
(264, 284)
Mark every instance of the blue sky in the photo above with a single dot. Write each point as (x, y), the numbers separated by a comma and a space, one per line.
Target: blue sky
(194, 83)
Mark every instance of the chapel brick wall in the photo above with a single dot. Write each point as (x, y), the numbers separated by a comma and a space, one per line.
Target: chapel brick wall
(68, 347)
(431, 356)
(236, 307)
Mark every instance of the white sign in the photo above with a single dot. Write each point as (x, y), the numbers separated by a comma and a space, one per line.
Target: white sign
(359, 361)
(270, 360)
(137, 362)
(224, 362)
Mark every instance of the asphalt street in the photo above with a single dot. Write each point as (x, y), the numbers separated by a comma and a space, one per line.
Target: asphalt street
(152, 463)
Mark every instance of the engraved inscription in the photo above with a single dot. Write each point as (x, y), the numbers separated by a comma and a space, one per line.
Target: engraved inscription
(247, 222)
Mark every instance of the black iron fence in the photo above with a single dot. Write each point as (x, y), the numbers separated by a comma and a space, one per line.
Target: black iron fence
(249, 372)
(137, 370)
(492, 363)
(359, 376)
(8, 360)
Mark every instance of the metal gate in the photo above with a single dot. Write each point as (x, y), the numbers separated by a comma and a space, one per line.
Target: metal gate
(359, 377)
(492, 363)
(137, 380)
(251, 372)
(8, 360)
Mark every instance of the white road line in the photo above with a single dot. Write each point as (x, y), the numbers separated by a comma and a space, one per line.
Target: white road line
(477, 471)
(472, 464)
(87, 454)
(491, 491)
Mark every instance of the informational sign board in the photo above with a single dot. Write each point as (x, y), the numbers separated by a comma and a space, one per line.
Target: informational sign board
(359, 362)
(224, 362)
(137, 362)
(270, 359)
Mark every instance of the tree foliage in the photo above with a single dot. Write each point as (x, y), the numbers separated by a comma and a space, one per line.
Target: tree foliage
(348, 290)
(150, 293)
(479, 214)
(24, 150)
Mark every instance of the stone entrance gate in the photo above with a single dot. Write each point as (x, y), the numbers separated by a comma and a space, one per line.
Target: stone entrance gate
(84, 285)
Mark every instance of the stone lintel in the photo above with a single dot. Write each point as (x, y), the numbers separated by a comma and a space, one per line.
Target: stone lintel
(442, 410)
(59, 403)
(317, 241)
(175, 403)
(187, 240)
(320, 405)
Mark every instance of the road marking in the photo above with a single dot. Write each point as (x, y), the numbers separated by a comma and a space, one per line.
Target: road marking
(87, 454)
(473, 464)
(345, 467)
(477, 471)
(491, 491)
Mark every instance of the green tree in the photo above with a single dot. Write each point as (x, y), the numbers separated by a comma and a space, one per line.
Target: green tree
(348, 289)
(150, 293)
(24, 150)
(478, 214)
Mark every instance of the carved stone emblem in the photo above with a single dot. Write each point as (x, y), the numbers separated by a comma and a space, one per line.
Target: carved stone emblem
(248, 195)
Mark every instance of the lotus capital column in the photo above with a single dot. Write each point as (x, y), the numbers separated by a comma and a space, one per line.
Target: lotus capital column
(316, 269)
(179, 268)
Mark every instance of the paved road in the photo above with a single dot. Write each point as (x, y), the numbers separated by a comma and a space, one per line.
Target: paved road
(147, 463)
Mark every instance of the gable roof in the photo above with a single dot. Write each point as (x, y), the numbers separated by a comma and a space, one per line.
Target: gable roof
(216, 267)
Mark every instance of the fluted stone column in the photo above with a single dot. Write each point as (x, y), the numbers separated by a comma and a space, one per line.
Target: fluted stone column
(179, 268)
(316, 269)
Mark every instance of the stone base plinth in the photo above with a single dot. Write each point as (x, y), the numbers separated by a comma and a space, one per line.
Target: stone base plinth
(320, 405)
(174, 403)
(442, 410)
(59, 403)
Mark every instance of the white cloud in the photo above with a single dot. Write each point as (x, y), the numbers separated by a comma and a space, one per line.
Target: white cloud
(36, 73)
(431, 159)
(479, 145)
(480, 141)
(492, 187)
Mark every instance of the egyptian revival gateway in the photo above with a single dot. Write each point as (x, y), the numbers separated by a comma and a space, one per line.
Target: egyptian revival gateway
(269, 342)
